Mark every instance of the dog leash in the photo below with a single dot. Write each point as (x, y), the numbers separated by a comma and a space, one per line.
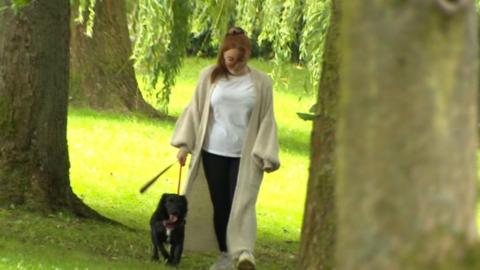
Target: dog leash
(154, 179)
(179, 179)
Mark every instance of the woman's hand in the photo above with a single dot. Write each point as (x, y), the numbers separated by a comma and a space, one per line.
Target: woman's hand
(269, 170)
(182, 156)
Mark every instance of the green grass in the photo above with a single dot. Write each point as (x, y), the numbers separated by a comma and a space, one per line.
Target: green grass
(112, 156)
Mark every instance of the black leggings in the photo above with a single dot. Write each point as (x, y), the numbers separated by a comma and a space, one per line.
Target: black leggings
(221, 173)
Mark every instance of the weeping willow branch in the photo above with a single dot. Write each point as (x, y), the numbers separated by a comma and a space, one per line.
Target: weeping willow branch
(161, 30)
(162, 35)
(247, 13)
(17, 5)
(214, 16)
(279, 19)
(86, 14)
(316, 22)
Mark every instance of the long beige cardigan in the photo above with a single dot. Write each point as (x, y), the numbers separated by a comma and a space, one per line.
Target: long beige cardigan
(260, 153)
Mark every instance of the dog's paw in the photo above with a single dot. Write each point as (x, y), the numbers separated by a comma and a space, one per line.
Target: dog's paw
(171, 263)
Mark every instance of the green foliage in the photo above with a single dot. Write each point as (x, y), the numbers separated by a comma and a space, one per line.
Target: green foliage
(213, 16)
(201, 19)
(279, 18)
(311, 18)
(86, 14)
(162, 29)
(316, 22)
(223, 14)
(17, 5)
(248, 14)
(309, 116)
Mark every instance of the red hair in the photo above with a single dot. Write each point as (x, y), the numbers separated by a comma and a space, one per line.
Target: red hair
(234, 39)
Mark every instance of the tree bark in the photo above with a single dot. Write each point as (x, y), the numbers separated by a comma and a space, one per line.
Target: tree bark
(102, 73)
(406, 143)
(34, 68)
(317, 246)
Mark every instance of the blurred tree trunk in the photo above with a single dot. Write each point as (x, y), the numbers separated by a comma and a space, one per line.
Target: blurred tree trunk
(478, 84)
(319, 225)
(406, 143)
(33, 107)
(102, 74)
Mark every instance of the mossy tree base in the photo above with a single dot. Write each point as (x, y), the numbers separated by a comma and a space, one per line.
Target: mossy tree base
(34, 65)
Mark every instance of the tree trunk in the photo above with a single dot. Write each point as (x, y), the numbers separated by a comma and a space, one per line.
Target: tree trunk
(478, 86)
(102, 74)
(33, 107)
(319, 225)
(406, 143)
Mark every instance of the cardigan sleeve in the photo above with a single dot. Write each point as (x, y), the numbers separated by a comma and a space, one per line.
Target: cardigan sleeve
(186, 128)
(266, 148)
(184, 133)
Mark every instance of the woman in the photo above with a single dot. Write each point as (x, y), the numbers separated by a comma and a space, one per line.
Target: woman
(229, 129)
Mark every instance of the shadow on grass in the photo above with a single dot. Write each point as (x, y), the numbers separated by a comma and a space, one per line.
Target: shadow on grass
(118, 116)
(291, 140)
(66, 242)
(272, 247)
(295, 141)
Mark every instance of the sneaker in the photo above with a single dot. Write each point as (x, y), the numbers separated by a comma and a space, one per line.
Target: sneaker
(224, 262)
(246, 261)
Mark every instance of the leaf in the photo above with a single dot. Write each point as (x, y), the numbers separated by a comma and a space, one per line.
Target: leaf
(17, 5)
(307, 116)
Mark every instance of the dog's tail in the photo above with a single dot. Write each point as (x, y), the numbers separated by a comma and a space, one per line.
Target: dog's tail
(154, 179)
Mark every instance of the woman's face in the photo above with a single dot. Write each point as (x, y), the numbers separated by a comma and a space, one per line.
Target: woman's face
(235, 62)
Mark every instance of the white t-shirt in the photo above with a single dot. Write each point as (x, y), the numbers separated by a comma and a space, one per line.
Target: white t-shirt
(231, 104)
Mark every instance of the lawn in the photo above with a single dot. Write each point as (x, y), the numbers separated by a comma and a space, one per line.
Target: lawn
(112, 156)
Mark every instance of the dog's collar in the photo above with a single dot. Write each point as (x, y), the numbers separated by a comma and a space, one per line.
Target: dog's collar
(171, 225)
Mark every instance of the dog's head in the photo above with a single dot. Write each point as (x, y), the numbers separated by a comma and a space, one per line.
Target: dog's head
(173, 207)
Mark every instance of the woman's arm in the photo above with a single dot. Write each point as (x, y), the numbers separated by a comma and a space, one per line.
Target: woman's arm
(188, 124)
(266, 148)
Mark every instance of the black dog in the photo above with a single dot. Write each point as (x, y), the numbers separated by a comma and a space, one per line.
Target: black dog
(168, 227)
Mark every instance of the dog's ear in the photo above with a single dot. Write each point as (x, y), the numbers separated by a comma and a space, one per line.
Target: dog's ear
(184, 203)
(161, 204)
(162, 199)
